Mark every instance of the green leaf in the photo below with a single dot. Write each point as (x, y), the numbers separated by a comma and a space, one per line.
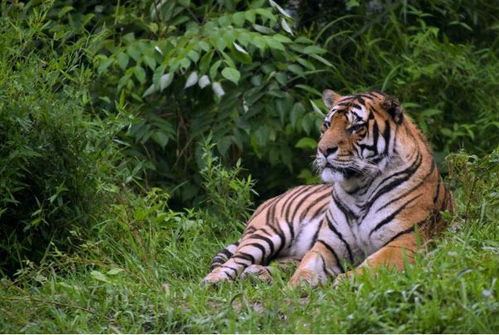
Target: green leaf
(306, 143)
(150, 61)
(133, 51)
(123, 60)
(214, 69)
(238, 19)
(104, 65)
(150, 90)
(140, 74)
(231, 74)
(114, 271)
(193, 55)
(250, 16)
(205, 62)
(99, 276)
(313, 49)
(160, 138)
(281, 38)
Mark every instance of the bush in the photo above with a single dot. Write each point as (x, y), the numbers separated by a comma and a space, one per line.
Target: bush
(51, 155)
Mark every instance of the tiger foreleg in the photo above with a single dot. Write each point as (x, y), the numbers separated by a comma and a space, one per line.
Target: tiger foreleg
(254, 249)
(321, 261)
(395, 254)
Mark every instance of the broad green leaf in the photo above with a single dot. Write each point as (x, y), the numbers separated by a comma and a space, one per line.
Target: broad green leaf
(281, 38)
(104, 65)
(193, 55)
(231, 74)
(150, 90)
(317, 109)
(214, 69)
(306, 143)
(296, 69)
(160, 138)
(123, 60)
(238, 19)
(205, 61)
(204, 46)
(133, 51)
(150, 61)
(140, 74)
(250, 16)
(99, 276)
(114, 271)
(313, 49)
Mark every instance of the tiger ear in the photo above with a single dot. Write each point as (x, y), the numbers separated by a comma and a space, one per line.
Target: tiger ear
(392, 107)
(330, 97)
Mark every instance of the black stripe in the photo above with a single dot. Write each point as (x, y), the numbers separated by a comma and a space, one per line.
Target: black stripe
(403, 232)
(245, 256)
(281, 236)
(304, 214)
(347, 212)
(266, 239)
(386, 135)
(411, 190)
(230, 268)
(390, 217)
(298, 206)
(340, 236)
(226, 253)
(437, 192)
(331, 250)
(403, 175)
(259, 247)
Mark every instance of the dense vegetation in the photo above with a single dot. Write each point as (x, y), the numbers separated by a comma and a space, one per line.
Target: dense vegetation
(136, 136)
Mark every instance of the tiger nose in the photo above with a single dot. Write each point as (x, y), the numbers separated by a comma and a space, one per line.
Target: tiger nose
(328, 151)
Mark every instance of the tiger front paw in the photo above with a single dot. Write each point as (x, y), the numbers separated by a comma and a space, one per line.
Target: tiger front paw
(216, 277)
(258, 272)
(301, 277)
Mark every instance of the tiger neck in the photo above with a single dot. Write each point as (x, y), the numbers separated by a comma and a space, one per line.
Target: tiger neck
(404, 152)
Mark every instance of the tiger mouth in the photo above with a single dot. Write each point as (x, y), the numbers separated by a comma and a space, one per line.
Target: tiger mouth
(346, 171)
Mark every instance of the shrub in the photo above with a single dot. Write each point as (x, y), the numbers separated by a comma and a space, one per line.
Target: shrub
(51, 155)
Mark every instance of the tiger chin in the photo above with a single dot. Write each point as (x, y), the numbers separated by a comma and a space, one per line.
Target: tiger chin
(382, 190)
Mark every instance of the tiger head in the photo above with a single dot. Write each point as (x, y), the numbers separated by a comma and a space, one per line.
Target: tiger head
(357, 135)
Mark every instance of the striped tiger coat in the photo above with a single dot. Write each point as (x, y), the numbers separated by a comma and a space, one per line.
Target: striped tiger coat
(382, 186)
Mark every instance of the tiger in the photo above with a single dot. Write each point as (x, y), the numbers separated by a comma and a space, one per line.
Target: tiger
(380, 200)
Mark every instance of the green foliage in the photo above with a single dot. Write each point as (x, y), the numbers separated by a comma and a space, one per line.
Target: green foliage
(228, 198)
(51, 158)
